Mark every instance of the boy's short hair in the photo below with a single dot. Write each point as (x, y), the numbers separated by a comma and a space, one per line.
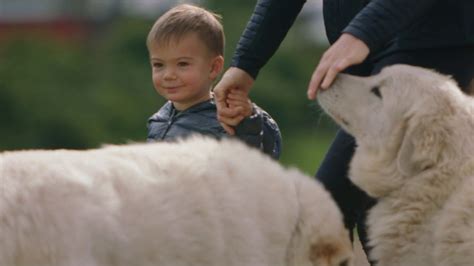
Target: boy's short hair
(184, 19)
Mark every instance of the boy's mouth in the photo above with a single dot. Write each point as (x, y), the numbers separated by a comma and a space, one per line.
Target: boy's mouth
(171, 88)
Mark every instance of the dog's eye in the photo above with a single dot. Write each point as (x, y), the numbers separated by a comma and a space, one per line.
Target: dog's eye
(376, 91)
(344, 263)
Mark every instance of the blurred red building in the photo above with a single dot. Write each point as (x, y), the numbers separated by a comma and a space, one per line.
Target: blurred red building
(69, 19)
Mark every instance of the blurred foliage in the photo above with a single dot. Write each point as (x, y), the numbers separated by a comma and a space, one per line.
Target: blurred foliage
(56, 95)
(80, 95)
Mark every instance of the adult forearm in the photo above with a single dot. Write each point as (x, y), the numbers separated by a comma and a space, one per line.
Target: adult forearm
(381, 20)
(265, 30)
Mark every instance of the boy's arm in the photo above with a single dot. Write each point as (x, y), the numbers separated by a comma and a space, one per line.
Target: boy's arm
(250, 130)
(260, 131)
(256, 127)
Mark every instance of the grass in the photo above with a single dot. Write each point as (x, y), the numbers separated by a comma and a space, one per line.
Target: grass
(306, 150)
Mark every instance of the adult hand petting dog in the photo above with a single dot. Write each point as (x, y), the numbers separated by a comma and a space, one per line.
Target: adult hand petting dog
(346, 51)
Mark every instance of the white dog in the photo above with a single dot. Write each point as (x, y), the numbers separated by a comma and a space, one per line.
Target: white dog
(414, 131)
(199, 202)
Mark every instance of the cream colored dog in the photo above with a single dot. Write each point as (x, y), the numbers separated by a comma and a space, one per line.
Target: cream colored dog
(198, 202)
(414, 130)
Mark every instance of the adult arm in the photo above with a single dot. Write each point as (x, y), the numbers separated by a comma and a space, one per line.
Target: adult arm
(266, 29)
(372, 28)
(381, 20)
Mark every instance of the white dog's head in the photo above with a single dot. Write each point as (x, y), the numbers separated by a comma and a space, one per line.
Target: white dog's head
(402, 120)
(320, 238)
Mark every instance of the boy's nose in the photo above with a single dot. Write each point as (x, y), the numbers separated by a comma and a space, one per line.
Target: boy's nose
(170, 74)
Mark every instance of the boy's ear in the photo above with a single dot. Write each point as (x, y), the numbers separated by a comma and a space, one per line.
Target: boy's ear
(216, 67)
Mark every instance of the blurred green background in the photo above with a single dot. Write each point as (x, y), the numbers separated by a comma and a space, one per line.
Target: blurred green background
(79, 82)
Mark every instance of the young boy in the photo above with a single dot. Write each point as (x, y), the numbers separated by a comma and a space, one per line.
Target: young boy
(186, 47)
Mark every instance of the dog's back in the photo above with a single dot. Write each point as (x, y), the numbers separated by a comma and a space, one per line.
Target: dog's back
(198, 202)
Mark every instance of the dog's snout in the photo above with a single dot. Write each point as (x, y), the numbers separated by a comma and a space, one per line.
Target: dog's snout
(342, 79)
(343, 76)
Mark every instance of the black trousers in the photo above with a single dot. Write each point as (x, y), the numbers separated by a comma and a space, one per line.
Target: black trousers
(333, 172)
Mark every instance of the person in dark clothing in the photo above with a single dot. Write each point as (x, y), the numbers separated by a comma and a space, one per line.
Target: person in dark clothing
(365, 36)
(186, 47)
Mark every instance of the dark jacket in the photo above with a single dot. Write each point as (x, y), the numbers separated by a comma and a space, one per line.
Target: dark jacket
(392, 25)
(259, 130)
(384, 25)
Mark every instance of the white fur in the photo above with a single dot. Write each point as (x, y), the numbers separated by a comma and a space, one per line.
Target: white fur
(415, 153)
(198, 202)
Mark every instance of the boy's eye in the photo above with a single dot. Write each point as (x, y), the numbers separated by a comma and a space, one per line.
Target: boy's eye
(182, 64)
(157, 65)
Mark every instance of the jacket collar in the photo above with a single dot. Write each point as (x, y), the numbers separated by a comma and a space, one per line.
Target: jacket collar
(168, 110)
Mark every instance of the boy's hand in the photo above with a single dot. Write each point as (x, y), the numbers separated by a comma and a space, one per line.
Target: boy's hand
(233, 79)
(239, 100)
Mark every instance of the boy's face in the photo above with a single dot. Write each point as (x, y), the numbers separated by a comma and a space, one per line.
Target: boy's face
(183, 70)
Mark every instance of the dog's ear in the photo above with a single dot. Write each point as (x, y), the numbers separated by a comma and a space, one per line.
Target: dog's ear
(322, 252)
(422, 145)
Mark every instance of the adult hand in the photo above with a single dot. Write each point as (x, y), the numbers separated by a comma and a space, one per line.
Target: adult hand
(346, 51)
(233, 79)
